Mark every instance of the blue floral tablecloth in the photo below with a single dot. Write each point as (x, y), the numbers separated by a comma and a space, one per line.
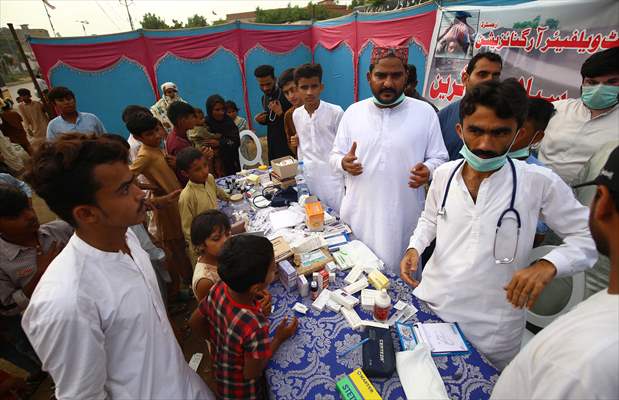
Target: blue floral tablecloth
(307, 365)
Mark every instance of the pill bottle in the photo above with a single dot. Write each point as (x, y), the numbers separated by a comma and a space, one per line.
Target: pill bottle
(382, 306)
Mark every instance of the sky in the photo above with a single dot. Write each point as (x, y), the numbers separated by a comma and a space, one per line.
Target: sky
(110, 16)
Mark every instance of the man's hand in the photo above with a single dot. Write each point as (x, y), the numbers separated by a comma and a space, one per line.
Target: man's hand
(527, 283)
(276, 107)
(294, 141)
(261, 118)
(284, 331)
(164, 201)
(408, 266)
(348, 162)
(45, 258)
(420, 175)
(171, 160)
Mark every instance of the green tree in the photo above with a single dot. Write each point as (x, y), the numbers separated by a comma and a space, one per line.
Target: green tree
(153, 21)
(220, 22)
(196, 21)
(176, 24)
(292, 14)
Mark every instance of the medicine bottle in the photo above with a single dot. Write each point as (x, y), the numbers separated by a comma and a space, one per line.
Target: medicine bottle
(382, 305)
(314, 290)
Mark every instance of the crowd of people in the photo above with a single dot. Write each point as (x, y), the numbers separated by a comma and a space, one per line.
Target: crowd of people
(452, 201)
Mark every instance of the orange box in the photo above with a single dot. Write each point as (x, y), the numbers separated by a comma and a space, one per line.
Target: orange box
(314, 214)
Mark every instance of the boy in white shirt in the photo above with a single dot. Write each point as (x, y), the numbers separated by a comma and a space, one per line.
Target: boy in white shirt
(316, 124)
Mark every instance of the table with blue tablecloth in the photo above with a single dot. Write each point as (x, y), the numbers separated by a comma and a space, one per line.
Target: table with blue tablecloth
(307, 365)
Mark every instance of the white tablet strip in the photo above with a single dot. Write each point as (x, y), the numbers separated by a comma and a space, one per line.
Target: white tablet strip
(333, 306)
(352, 318)
(354, 275)
(300, 308)
(357, 286)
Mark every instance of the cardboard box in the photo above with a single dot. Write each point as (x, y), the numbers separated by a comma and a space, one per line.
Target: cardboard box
(284, 172)
(281, 249)
(313, 261)
(314, 214)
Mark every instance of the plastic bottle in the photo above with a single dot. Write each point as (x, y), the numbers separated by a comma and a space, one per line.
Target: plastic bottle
(382, 305)
(302, 189)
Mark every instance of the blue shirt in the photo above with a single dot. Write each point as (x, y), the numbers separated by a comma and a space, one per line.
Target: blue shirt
(448, 118)
(85, 123)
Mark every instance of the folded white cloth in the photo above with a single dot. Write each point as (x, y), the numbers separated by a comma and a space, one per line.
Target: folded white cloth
(418, 374)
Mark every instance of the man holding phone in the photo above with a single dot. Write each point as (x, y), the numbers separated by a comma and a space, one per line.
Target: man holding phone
(275, 105)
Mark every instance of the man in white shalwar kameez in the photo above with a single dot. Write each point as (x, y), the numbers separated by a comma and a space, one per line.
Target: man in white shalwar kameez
(388, 145)
(316, 125)
(479, 275)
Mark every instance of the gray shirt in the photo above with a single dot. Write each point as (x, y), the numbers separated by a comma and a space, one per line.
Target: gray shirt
(18, 265)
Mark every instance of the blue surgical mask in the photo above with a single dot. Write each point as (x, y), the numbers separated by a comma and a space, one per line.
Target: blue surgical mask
(521, 153)
(393, 103)
(600, 97)
(482, 164)
(525, 151)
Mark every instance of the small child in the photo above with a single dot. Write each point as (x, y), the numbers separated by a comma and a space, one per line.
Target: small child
(233, 112)
(202, 139)
(289, 87)
(201, 192)
(151, 162)
(234, 324)
(209, 232)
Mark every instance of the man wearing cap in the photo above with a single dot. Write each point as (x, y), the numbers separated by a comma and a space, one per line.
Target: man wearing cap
(388, 146)
(577, 356)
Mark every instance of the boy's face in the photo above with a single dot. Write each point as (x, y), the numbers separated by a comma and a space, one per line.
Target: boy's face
(232, 113)
(187, 122)
(292, 94)
(26, 98)
(199, 117)
(219, 111)
(24, 224)
(485, 134)
(152, 137)
(310, 89)
(215, 242)
(528, 136)
(66, 105)
(198, 171)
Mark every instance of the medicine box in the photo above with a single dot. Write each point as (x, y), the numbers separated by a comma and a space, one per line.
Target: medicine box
(285, 167)
(314, 214)
(287, 274)
(357, 386)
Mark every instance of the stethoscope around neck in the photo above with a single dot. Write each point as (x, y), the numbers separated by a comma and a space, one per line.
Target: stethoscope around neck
(511, 209)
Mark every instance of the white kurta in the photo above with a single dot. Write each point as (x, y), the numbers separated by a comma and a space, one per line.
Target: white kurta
(461, 282)
(572, 137)
(379, 206)
(316, 133)
(100, 328)
(575, 357)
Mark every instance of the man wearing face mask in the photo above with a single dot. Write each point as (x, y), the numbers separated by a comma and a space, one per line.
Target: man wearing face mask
(483, 213)
(583, 126)
(388, 145)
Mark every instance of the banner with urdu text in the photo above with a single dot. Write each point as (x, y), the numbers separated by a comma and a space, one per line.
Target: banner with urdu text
(542, 43)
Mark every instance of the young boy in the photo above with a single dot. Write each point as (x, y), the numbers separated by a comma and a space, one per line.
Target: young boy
(209, 232)
(316, 124)
(183, 117)
(70, 120)
(151, 162)
(233, 112)
(231, 319)
(289, 87)
(538, 114)
(200, 194)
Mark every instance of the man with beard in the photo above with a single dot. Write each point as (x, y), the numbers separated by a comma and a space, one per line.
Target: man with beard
(483, 212)
(577, 356)
(388, 145)
(96, 319)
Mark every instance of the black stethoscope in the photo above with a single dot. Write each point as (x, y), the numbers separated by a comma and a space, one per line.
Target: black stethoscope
(442, 212)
